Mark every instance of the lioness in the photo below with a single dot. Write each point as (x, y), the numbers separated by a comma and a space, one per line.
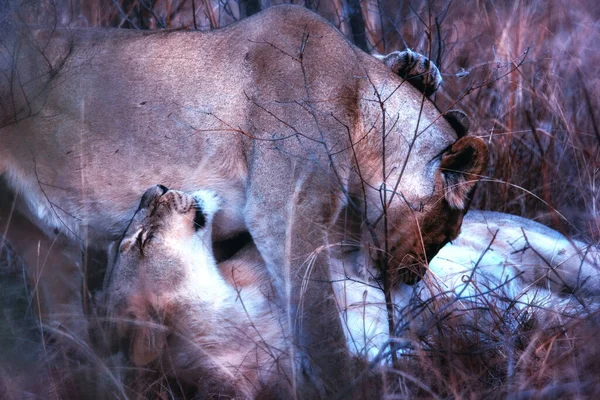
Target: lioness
(293, 127)
(218, 331)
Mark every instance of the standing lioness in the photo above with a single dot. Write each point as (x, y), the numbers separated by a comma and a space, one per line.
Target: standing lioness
(292, 126)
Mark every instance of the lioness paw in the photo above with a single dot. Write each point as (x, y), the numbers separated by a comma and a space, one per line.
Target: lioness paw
(417, 69)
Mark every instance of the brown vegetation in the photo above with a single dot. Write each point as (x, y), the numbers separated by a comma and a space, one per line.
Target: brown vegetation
(528, 75)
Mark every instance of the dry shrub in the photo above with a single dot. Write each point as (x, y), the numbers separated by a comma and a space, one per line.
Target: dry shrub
(489, 347)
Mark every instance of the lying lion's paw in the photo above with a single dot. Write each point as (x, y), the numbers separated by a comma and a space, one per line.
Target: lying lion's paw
(208, 202)
(421, 72)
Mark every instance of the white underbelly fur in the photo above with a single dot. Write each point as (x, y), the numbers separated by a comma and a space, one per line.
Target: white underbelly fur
(509, 271)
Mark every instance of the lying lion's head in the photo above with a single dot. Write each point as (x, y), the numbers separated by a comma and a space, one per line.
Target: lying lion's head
(162, 253)
(174, 310)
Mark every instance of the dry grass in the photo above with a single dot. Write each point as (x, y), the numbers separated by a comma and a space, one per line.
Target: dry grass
(528, 74)
(541, 118)
(491, 348)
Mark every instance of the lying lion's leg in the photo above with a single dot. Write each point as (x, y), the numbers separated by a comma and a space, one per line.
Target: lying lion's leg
(498, 258)
(504, 247)
(417, 69)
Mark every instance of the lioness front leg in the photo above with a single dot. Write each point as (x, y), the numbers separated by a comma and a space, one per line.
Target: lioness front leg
(416, 68)
(290, 233)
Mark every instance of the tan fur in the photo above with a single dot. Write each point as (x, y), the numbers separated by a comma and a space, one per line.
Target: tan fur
(247, 268)
(279, 114)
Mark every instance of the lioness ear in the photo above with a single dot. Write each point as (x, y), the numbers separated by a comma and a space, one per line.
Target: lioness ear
(461, 167)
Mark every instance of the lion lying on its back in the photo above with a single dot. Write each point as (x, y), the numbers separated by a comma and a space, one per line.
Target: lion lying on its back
(214, 328)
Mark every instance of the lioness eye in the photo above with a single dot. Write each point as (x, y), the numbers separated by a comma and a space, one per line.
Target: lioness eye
(148, 238)
(144, 238)
(139, 240)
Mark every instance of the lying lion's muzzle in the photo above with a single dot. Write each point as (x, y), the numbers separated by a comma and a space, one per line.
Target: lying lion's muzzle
(151, 194)
(164, 211)
(159, 196)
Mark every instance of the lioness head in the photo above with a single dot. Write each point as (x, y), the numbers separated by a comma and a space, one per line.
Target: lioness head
(165, 250)
(411, 215)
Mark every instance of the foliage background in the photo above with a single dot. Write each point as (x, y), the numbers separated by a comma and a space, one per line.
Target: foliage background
(527, 72)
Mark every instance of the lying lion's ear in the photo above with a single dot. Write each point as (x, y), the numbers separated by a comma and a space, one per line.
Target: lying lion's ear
(147, 343)
(461, 167)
